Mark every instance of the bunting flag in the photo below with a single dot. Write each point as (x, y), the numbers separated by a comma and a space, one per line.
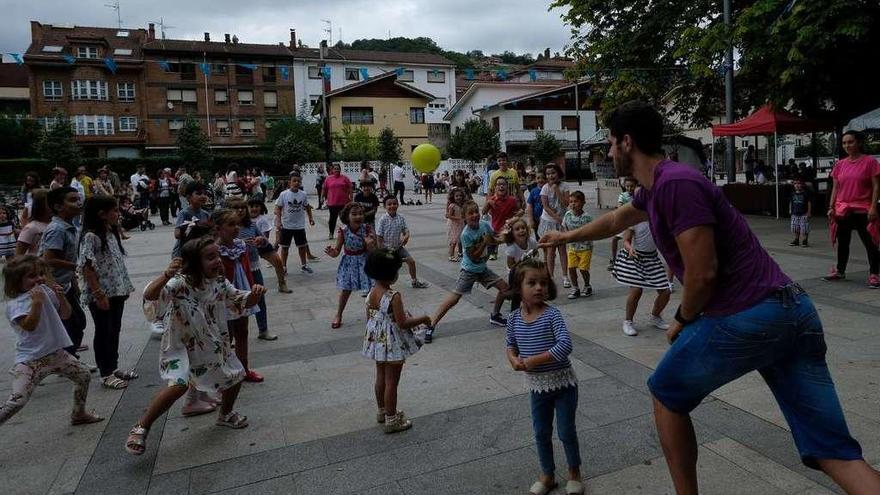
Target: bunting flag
(533, 74)
(206, 68)
(70, 59)
(250, 67)
(17, 58)
(111, 64)
(501, 73)
(399, 71)
(469, 74)
(365, 74)
(326, 72)
(285, 72)
(165, 65)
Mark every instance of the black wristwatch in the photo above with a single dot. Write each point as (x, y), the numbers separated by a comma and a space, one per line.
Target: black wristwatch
(679, 318)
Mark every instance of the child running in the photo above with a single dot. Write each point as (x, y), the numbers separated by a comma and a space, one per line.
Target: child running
(194, 304)
(638, 266)
(237, 268)
(519, 242)
(389, 338)
(291, 209)
(454, 222)
(35, 309)
(554, 199)
(476, 237)
(539, 344)
(580, 253)
(392, 233)
(252, 237)
(259, 216)
(353, 241)
(102, 273)
(502, 207)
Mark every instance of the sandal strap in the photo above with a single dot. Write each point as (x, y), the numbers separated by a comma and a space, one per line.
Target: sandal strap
(114, 382)
(138, 430)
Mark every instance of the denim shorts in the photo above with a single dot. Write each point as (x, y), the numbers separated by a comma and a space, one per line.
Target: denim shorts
(781, 338)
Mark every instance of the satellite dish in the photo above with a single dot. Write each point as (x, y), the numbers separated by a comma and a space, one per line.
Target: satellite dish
(170, 106)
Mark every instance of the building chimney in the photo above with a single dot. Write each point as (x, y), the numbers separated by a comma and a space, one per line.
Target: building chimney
(293, 38)
(546, 53)
(234, 39)
(151, 32)
(207, 36)
(226, 36)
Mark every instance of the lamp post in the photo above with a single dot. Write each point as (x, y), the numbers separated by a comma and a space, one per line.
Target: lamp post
(729, 150)
(577, 112)
(325, 110)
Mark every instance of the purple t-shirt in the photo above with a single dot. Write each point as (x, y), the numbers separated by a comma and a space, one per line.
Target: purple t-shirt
(680, 199)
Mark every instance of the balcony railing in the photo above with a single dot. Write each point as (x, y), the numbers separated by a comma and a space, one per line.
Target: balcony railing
(525, 135)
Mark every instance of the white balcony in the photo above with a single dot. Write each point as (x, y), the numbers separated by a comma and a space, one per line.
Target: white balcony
(527, 135)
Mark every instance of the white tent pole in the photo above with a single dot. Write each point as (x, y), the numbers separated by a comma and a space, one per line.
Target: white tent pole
(776, 168)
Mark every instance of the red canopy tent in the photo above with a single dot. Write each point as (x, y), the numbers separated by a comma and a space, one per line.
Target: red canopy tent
(766, 121)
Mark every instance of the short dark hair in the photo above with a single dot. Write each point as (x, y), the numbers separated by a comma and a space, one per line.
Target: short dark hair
(194, 187)
(56, 197)
(386, 198)
(501, 154)
(578, 195)
(642, 122)
(383, 264)
(365, 183)
(519, 275)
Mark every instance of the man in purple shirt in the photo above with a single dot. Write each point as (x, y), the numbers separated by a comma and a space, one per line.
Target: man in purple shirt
(739, 312)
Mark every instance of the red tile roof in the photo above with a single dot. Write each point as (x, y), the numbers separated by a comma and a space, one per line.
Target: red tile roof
(13, 76)
(373, 56)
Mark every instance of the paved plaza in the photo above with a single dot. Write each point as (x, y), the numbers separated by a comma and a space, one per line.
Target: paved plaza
(312, 422)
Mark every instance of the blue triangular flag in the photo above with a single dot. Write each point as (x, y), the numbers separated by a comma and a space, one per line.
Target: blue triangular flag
(17, 58)
(165, 65)
(250, 67)
(69, 58)
(435, 72)
(285, 72)
(365, 74)
(501, 73)
(206, 68)
(533, 74)
(325, 71)
(111, 64)
(399, 71)
(469, 74)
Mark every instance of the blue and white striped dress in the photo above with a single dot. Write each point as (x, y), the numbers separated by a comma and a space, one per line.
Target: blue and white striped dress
(548, 333)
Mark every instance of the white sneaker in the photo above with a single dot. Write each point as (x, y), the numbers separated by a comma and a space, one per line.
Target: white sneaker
(671, 286)
(659, 322)
(629, 329)
(565, 282)
(157, 328)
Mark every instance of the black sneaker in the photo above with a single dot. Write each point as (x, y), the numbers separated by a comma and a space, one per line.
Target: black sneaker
(794, 243)
(587, 292)
(574, 294)
(805, 244)
(429, 335)
(498, 320)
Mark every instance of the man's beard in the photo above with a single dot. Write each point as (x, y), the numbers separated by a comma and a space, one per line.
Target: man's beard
(623, 165)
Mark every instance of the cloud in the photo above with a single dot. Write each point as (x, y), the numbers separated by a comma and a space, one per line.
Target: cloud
(461, 25)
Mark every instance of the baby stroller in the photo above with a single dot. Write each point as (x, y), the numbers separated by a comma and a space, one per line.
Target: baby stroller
(132, 218)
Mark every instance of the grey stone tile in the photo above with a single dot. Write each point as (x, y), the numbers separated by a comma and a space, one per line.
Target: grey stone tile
(273, 486)
(606, 410)
(618, 445)
(389, 489)
(176, 483)
(509, 472)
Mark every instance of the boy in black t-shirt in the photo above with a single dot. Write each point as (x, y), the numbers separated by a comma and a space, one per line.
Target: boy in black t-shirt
(369, 201)
(800, 214)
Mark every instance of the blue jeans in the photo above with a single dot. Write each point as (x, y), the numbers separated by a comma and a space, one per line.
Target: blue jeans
(564, 402)
(781, 338)
(262, 324)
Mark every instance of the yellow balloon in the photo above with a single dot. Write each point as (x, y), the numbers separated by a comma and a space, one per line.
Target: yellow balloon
(426, 158)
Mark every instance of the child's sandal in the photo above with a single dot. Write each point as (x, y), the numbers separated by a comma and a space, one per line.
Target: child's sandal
(136, 443)
(125, 375)
(336, 324)
(114, 382)
(574, 487)
(232, 420)
(86, 418)
(539, 488)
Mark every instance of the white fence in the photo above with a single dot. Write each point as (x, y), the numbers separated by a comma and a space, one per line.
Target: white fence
(353, 171)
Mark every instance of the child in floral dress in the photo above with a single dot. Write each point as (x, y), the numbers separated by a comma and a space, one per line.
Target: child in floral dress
(353, 241)
(455, 222)
(389, 338)
(194, 299)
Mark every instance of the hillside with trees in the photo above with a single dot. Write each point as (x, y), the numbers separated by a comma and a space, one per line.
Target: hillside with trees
(470, 59)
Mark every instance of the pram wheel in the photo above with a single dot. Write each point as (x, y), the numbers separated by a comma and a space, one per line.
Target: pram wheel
(152, 225)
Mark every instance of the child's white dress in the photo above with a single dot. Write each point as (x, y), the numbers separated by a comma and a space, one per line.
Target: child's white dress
(384, 340)
(195, 347)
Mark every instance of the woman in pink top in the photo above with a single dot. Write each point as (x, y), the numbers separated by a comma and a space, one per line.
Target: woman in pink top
(853, 205)
(337, 193)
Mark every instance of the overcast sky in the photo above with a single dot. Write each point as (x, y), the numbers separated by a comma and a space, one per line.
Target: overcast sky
(488, 25)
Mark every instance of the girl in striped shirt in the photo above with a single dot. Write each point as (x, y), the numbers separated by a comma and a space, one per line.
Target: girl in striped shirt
(538, 343)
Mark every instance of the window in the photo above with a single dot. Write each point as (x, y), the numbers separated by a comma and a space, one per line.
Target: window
(220, 96)
(128, 124)
(436, 76)
(48, 122)
(245, 97)
(247, 127)
(269, 74)
(187, 71)
(357, 115)
(533, 122)
(313, 100)
(218, 68)
(569, 122)
(496, 124)
(173, 95)
(439, 106)
(122, 34)
(52, 49)
(93, 125)
(125, 91)
(87, 52)
(314, 71)
(88, 90)
(122, 51)
(270, 99)
(407, 76)
(175, 125)
(222, 127)
(352, 74)
(188, 95)
(416, 115)
(52, 90)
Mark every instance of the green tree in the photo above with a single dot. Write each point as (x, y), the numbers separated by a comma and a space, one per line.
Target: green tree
(671, 53)
(355, 143)
(474, 141)
(545, 148)
(390, 150)
(295, 140)
(19, 138)
(58, 145)
(508, 57)
(192, 144)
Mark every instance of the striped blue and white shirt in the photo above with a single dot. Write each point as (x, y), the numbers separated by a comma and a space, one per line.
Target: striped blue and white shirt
(547, 333)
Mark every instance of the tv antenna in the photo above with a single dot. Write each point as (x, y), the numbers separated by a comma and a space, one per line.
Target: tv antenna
(163, 26)
(115, 6)
(328, 30)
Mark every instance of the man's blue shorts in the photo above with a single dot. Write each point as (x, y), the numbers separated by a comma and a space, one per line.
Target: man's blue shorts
(784, 341)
